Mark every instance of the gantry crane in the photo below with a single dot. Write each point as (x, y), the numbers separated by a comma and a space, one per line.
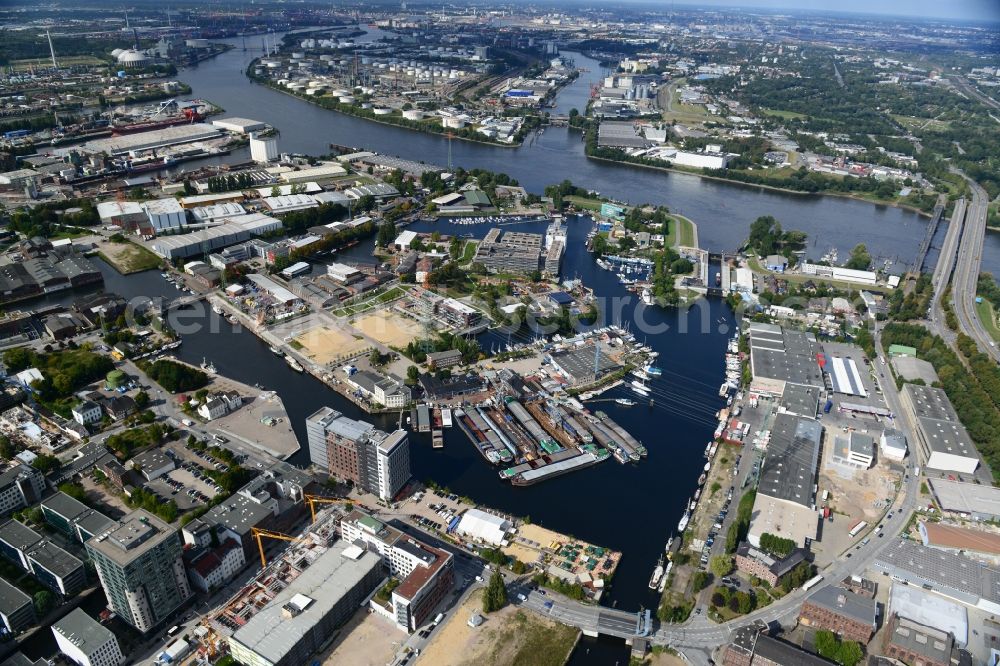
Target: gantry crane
(311, 500)
(259, 535)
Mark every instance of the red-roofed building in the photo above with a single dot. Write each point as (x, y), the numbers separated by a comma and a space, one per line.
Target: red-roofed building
(212, 568)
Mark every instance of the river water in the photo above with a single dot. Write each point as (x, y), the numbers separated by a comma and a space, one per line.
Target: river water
(631, 508)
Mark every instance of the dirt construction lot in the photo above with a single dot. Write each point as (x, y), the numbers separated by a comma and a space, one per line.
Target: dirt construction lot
(509, 636)
(325, 344)
(367, 640)
(389, 328)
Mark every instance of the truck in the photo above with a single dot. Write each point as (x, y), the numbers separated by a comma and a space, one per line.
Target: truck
(858, 526)
(812, 582)
(828, 406)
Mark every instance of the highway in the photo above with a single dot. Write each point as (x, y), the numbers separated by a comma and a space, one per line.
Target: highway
(967, 266)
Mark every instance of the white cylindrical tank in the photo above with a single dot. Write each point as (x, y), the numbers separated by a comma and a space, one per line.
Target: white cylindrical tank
(453, 123)
(413, 114)
(382, 111)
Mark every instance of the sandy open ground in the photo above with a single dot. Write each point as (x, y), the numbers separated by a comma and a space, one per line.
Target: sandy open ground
(510, 636)
(326, 344)
(367, 640)
(389, 328)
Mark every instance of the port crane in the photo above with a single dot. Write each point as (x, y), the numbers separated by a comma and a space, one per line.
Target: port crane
(260, 535)
(312, 500)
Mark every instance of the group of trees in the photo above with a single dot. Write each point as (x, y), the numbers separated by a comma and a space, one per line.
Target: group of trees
(386, 234)
(63, 372)
(564, 189)
(988, 289)
(738, 528)
(495, 594)
(230, 183)
(767, 237)
(571, 590)
(150, 501)
(417, 350)
(844, 652)
(776, 545)
(48, 218)
(174, 376)
(974, 391)
(913, 305)
(860, 258)
(127, 442)
(736, 601)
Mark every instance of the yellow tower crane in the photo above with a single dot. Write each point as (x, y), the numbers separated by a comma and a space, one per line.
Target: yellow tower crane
(260, 534)
(311, 500)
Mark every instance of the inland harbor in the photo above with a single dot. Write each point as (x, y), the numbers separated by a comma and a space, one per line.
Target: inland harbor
(528, 418)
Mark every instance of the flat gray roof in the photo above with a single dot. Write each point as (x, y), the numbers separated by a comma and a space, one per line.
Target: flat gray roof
(947, 572)
(846, 603)
(801, 400)
(914, 368)
(19, 535)
(963, 497)
(942, 430)
(54, 559)
(784, 355)
(82, 631)
(11, 598)
(325, 582)
(130, 537)
(789, 469)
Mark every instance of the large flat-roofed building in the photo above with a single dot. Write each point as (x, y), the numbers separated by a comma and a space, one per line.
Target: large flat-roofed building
(240, 125)
(844, 376)
(73, 518)
(578, 365)
(944, 442)
(781, 356)
(167, 136)
(426, 573)
(619, 134)
(908, 642)
(139, 563)
(851, 616)
(20, 486)
(47, 562)
(929, 609)
(510, 252)
(784, 505)
(300, 619)
(976, 500)
(238, 229)
(959, 539)
(800, 400)
(86, 641)
(16, 610)
(946, 573)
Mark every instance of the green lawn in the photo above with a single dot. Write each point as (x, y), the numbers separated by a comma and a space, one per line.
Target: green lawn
(469, 251)
(787, 115)
(585, 203)
(686, 227)
(988, 317)
(133, 259)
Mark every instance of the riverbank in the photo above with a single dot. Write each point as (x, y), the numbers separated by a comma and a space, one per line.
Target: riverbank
(345, 110)
(772, 188)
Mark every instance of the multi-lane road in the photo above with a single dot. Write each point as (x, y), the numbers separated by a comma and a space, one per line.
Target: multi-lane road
(966, 274)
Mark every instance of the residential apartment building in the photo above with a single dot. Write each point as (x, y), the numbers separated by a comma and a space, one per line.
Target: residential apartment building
(510, 252)
(210, 569)
(755, 562)
(139, 563)
(427, 574)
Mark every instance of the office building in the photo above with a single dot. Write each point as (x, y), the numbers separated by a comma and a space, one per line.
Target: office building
(86, 641)
(944, 442)
(426, 574)
(16, 610)
(375, 461)
(300, 619)
(892, 445)
(263, 149)
(20, 486)
(48, 563)
(139, 563)
(73, 518)
(510, 252)
(853, 449)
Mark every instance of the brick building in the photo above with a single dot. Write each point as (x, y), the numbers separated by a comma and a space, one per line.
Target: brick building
(851, 616)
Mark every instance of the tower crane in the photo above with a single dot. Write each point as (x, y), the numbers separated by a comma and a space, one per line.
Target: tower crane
(260, 535)
(312, 500)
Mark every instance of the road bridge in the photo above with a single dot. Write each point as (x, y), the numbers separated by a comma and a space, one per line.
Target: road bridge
(925, 244)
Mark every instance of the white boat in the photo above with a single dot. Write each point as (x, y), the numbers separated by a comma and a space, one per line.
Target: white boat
(644, 392)
(724, 390)
(216, 309)
(293, 364)
(652, 370)
(682, 525)
(445, 417)
(654, 580)
(208, 366)
(628, 402)
(276, 351)
(640, 374)
(639, 385)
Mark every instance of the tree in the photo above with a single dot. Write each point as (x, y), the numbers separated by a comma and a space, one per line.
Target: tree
(495, 594)
(776, 545)
(412, 375)
(275, 191)
(386, 234)
(375, 357)
(860, 258)
(7, 449)
(846, 653)
(141, 399)
(43, 601)
(700, 581)
(721, 565)
(45, 463)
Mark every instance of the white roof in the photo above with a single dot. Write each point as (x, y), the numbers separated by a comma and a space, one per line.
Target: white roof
(290, 202)
(227, 209)
(286, 189)
(341, 269)
(446, 199)
(930, 610)
(484, 526)
(29, 375)
(107, 209)
(405, 238)
(163, 206)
